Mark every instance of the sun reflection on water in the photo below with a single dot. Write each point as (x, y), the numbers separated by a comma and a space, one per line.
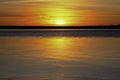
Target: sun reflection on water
(60, 49)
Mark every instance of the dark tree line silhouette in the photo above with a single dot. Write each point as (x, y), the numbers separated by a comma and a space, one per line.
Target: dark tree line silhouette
(63, 27)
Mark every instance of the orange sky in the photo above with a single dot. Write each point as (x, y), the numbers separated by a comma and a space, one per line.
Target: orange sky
(59, 12)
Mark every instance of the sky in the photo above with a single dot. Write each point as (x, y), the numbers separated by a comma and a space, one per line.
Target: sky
(59, 12)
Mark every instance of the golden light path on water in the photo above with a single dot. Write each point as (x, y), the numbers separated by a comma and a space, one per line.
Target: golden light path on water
(59, 48)
(62, 49)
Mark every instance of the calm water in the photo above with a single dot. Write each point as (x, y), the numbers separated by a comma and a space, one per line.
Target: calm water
(59, 58)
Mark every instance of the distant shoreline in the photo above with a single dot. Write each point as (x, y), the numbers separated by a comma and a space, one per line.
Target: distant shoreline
(61, 27)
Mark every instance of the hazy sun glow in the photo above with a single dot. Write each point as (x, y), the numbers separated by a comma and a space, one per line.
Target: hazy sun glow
(60, 17)
(60, 22)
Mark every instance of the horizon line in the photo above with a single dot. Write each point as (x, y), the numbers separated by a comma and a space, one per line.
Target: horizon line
(62, 27)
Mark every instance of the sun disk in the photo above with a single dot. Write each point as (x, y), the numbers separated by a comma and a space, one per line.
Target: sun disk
(60, 22)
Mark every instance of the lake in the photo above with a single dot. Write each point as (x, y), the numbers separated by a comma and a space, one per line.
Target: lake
(60, 54)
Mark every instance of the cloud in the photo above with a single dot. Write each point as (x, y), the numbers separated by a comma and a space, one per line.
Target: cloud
(19, 7)
(25, 3)
(6, 1)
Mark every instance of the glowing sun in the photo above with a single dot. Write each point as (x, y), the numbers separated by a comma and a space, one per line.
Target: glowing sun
(60, 22)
